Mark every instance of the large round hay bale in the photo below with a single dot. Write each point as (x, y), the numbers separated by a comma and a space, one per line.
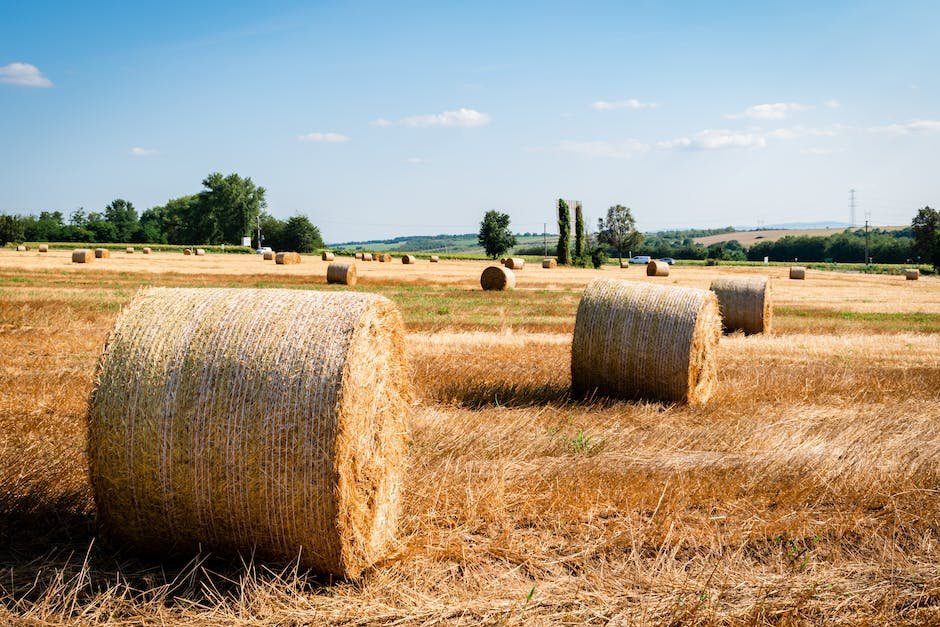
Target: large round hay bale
(82, 255)
(129, 250)
(44, 248)
(639, 340)
(657, 268)
(367, 256)
(549, 263)
(102, 253)
(744, 303)
(268, 255)
(797, 272)
(408, 259)
(252, 421)
(435, 259)
(911, 274)
(200, 252)
(342, 273)
(286, 259)
(21, 248)
(497, 278)
(515, 263)
(326, 256)
(146, 250)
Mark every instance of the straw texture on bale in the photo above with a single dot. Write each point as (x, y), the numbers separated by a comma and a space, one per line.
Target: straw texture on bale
(286, 259)
(435, 259)
(102, 253)
(515, 263)
(252, 421)
(797, 272)
(326, 256)
(82, 255)
(912, 274)
(367, 256)
(549, 263)
(21, 248)
(408, 259)
(657, 268)
(342, 273)
(744, 303)
(44, 248)
(187, 251)
(129, 250)
(268, 255)
(497, 278)
(640, 340)
(200, 252)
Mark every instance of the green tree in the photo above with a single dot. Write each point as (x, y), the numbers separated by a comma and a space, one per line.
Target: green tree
(152, 226)
(563, 252)
(272, 231)
(618, 230)
(229, 208)
(579, 242)
(11, 229)
(300, 235)
(123, 217)
(184, 220)
(103, 230)
(925, 228)
(495, 236)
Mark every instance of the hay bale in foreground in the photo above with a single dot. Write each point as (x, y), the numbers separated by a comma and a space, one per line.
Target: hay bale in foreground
(146, 250)
(515, 263)
(200, 252)
(22, 249)
(367, 256)
(129, 250)
(497, 278)
(342, 273)
(549, 263)
(797, 272)
(435, 259)
(82, 255)
(102, 253)
(744, 303)
(657, 268)
(911, 274)
(268, 255)
(639, 340)
(252, 421)
(286, 259)
(44, 248)
(326, 256)
(408, 259)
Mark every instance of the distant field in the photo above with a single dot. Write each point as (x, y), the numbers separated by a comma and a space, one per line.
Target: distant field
(748, 238)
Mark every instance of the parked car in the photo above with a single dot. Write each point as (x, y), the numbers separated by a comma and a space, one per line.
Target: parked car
(640, 259)
(264, 249)
(668, 260)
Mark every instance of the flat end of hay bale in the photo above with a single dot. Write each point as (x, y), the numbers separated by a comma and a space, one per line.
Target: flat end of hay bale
(497, 278)
(341, 273)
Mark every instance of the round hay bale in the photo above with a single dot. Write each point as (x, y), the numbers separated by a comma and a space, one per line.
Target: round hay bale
(911, 274)
(797, 272)
(657, 268)
(102, 253)
(252, 421)
(326, 256)
(146, 250)
(497, 278)
(435, 259)
(409, 259)
(359, 256)
(200, 252)
(504, 260)
(129, 250)
(744, 303)
(367, 256)
(82, 255)
(515, 263)
(268, 255)
(21, 248)
(187, 251)
(549, 263)
(341, 273)
(286, 259)
(384, 257)
(640, 340)
(624, 264)
(44, 248)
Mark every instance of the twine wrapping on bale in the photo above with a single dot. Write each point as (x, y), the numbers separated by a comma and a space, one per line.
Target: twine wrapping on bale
(268, 255)
(515, 263)
(408, 259)
(657, 268)
(639, 340)
(200, 252)
(435, 259)
(797, 272)
(497, 278)
(342, 273)
(252, 421)
(146, 250)
(367, 256)
(744, 303)
(326, 256)
(549, 263)
(911, 274)
(102, 253)
(82, 255)
(44, 248)
(129, 250)
(187, 251)
(286, 259)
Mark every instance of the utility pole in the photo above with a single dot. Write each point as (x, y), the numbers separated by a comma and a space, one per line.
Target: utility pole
(867, 220)
(852, 207)
(545, 239)
(259, 230)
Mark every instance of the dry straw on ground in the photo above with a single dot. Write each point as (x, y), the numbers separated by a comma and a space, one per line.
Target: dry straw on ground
(408, 259)
(366, 256)
(435, 259)
(102, 253)
(200, 252)
(326, 256)
(744, 303)
(797, 272)
(268, 255)
(146, 250)
(638, 340)
(129, 250)
(286, 259)
(82, 255)
(342, 273)
(44, 248)
(657, 268)
(515, 263)
(912, 274)
(497, 278)
(549, 263)
(253, 421)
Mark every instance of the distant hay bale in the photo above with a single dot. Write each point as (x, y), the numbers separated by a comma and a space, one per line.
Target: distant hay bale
(359, 256)
(549, 263)
(435, 259)
(82, 255)
(102, 253)
(797, 272)
(408, 259)
(367, 256)
(286, 259)
(384, 257)
(657, 268)
(639, 340)
(200, 252)
(504, 260)
(342, 273)
(911, 274)
(268, 255)
(44, 248)
(624, 263)
(326, 256)
(129, 250)
(146, 250)
(21, 248)
(252, 421)
(515, 263)
(187, 251)
(744, 303)
(497, 278)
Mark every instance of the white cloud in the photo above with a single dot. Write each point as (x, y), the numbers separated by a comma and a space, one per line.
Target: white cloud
(137, 151)
(795, 132)
(832, 103)
(915, 127)
(330, 138)
(822, 151)
(604, 149)
(774, 111)
(715, 139)
(462, 117)
(632, 103)
(23, 75)
(416, 160)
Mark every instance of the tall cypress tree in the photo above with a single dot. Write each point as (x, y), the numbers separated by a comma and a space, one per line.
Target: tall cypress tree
(578, 235)
(564, 233)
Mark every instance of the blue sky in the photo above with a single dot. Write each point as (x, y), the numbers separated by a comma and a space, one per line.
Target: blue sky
(380, 119)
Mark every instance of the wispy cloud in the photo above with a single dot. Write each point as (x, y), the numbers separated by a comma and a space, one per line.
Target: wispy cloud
(914, 127)
(416, 160)
(815, 150)
(137, 151)
(463, 117)
(715, 139)
(613, 105)
(773, 111)
(623, 149)
(23, 75)
(329, 138)
(795, 132)
(832, 103)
